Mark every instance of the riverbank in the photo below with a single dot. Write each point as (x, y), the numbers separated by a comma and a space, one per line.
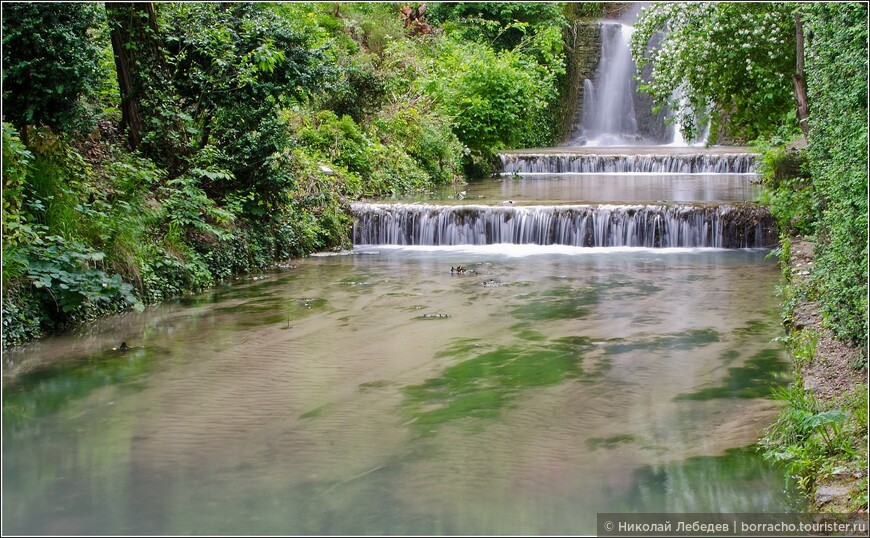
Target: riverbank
(826, 450)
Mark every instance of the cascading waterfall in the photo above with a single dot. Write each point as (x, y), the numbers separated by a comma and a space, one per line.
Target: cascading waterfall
(608, 113)
(614, 113)
(652, 226)
(578, 163)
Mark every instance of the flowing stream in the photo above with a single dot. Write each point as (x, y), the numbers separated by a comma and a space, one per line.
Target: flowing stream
(590, 332)
(379, 393)
(514, 384)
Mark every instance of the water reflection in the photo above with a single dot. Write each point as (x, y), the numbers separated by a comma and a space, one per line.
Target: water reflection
(322, 399)
(541, 189)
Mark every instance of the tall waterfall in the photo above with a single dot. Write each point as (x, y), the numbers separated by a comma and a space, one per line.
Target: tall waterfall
(608, 112)
(681, 225)
(614, 113)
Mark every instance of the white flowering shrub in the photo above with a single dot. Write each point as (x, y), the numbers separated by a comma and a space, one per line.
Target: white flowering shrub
(727, 63)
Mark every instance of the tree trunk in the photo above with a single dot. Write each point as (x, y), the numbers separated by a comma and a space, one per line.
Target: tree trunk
(800, 82)
(134, 33)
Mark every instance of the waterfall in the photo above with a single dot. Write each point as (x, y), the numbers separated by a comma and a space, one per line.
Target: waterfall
(608, 113)
(628, 139)
(613, 112)
(653, 226)
(581, 163)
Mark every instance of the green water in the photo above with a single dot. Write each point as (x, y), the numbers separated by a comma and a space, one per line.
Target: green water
(377, 393)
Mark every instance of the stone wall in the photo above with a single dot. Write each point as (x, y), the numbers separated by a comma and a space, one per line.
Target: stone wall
(583, 51)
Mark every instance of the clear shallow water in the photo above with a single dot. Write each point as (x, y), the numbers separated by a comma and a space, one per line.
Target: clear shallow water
(615, 188)
(612, 188)
(377, 393)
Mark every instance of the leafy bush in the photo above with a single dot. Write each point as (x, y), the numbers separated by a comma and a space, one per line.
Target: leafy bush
(500, 25)
(338, 139)
(363, 166)
(71, 274)
(49, 62)
(806, 435)
(496, 100)
(360, 89)
(788, 190)
(381, 25)
(165, 276)
(23, 317)
(730, 60)
(426, 137)
(16, 160)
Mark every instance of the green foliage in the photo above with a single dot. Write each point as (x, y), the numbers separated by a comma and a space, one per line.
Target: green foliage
(61, 225)
(186, 206)
(496, 100)
(228, 67)
(802, 346)
(23, 316)
(723, 62)
(426, 137)
(261, 122)
(380, 26)
(165, 276)
(501, 25)
(807, 436)
(70, 272)
(837, 88)
(339, 140)
(788, 190)
(53, 182)
(16, 160)
(364, 166)
(49, 62)
(360, 89)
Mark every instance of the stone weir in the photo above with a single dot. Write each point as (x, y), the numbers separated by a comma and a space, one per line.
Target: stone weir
(635, 160)
(655, 226)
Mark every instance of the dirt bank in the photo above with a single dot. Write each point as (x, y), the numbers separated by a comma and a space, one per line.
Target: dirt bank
(833, 371)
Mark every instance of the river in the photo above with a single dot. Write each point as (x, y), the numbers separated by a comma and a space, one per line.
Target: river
(379, 393)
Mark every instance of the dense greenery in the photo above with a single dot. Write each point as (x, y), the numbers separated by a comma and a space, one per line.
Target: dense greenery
(816, 438)
(503, 25)
(49, 62)
(837, 84)
(150, 150)
(813, 439)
